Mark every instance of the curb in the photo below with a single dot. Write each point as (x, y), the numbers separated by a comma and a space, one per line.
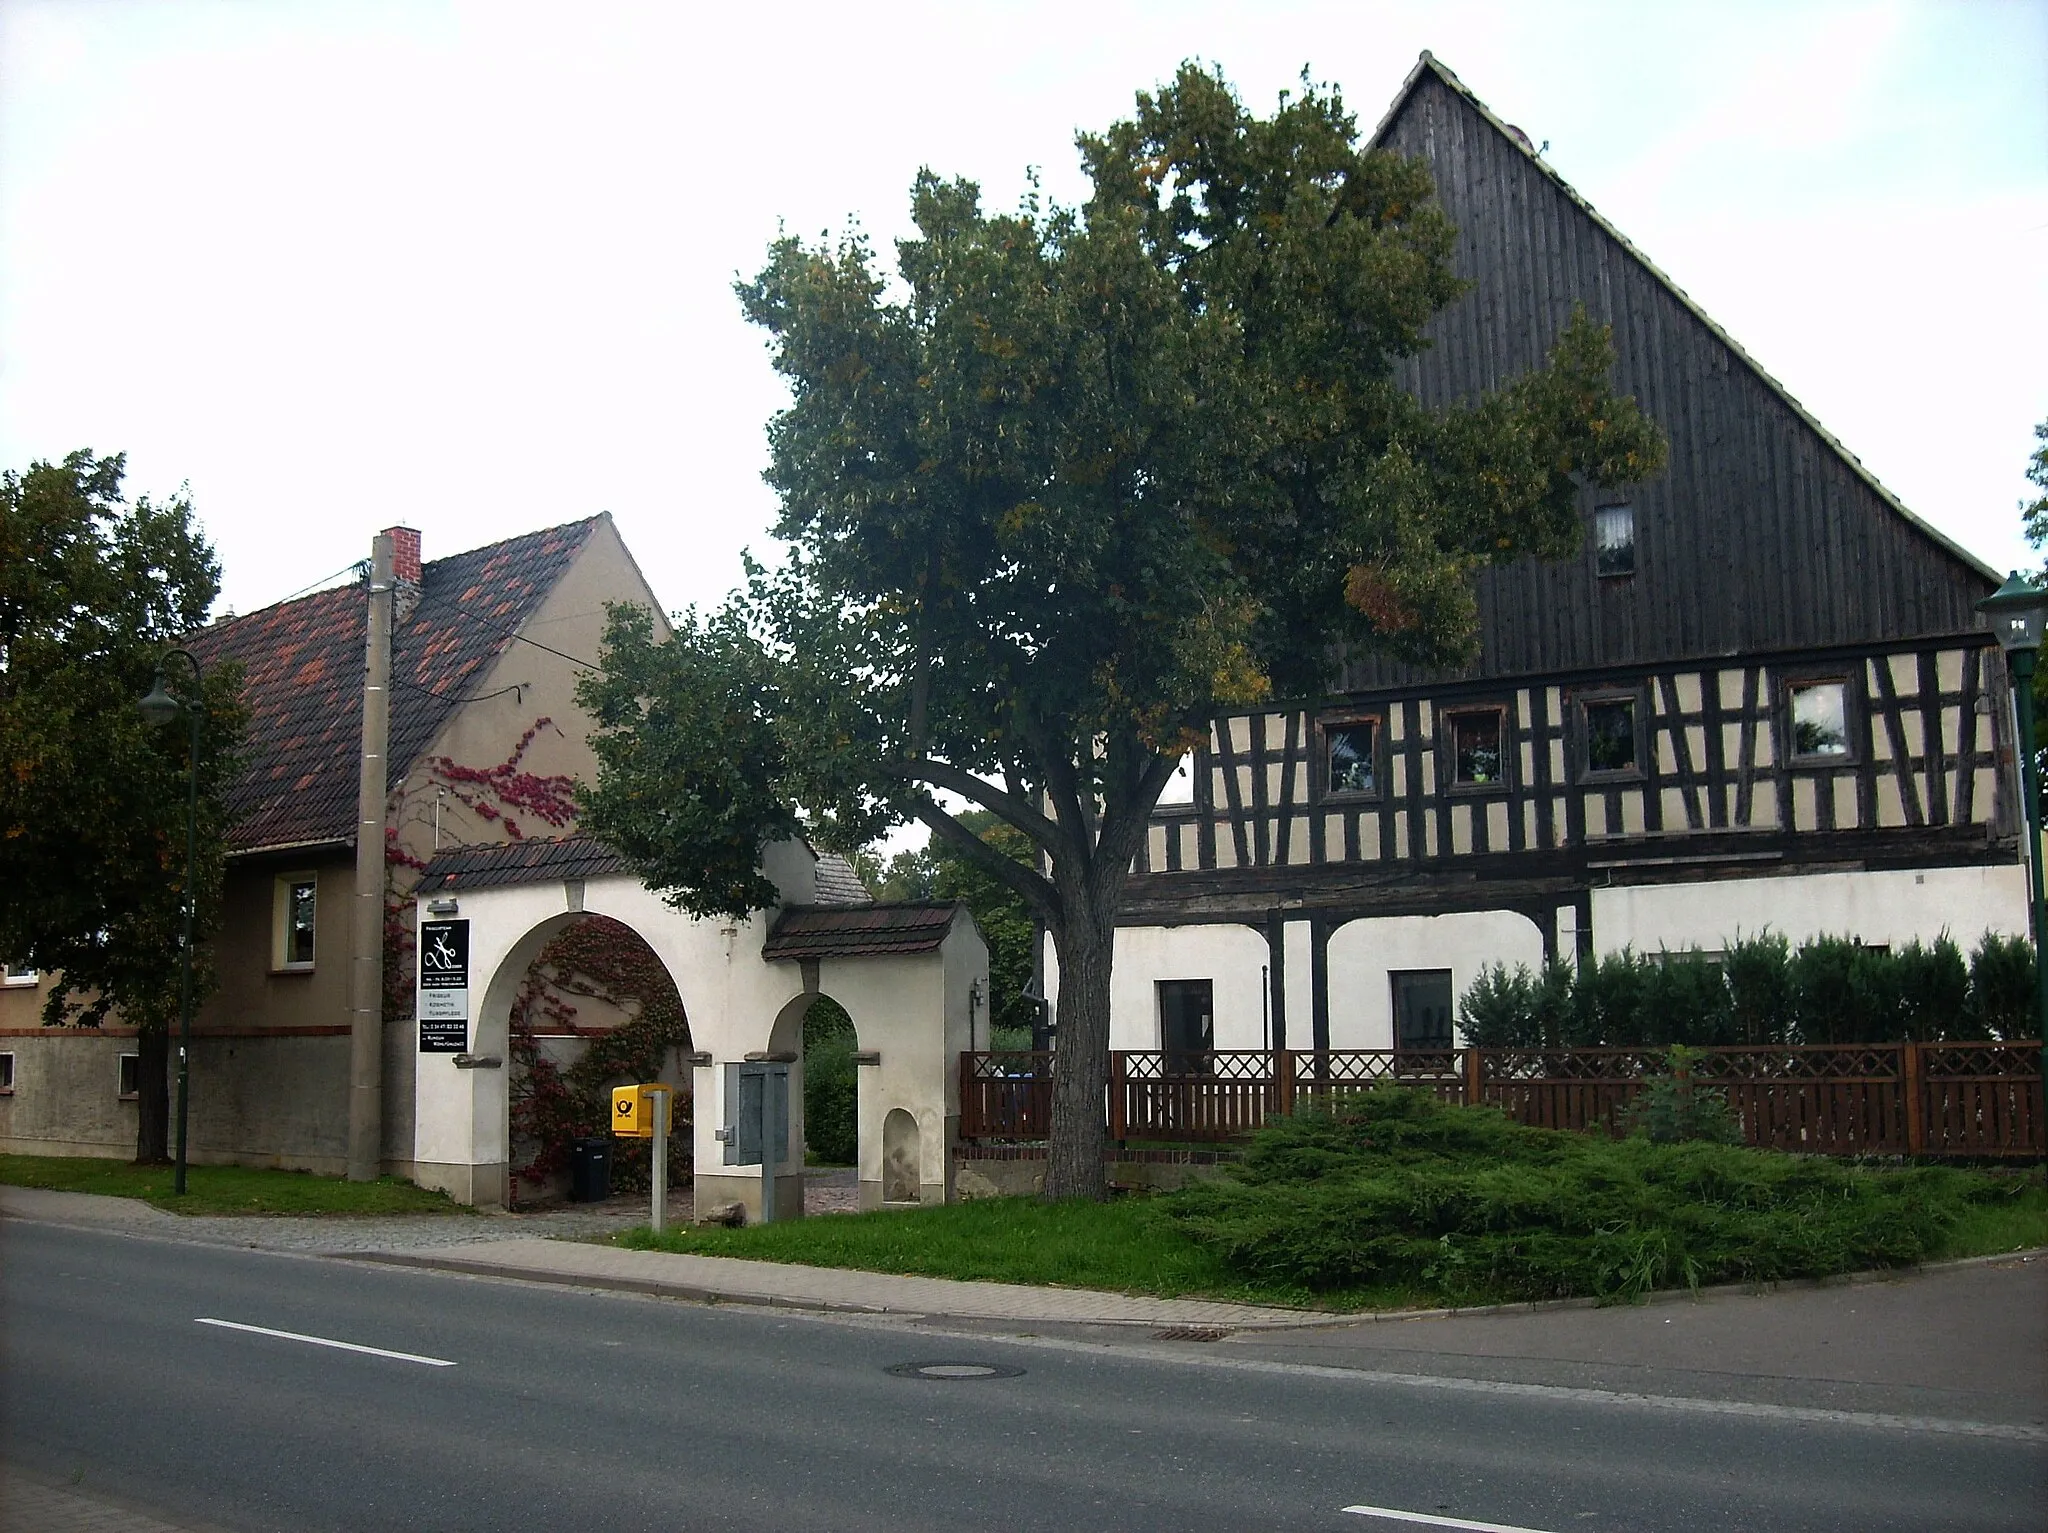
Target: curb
(698, 1293)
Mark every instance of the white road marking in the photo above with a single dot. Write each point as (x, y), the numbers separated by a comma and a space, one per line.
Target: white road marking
(1390, 1515)
(323, 1341)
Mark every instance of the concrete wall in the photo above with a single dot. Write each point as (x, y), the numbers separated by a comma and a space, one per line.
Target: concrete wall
(277, 1101)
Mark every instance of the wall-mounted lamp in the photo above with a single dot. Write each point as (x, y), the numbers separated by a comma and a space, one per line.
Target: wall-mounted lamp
(443, 905)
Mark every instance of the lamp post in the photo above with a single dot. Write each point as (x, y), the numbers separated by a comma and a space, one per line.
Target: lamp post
(2016, 610)
(160, 707)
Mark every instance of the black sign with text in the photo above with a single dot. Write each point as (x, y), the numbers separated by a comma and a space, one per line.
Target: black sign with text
(443, 1008)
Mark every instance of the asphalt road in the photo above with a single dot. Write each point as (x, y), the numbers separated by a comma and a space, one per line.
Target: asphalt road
(514, 1407)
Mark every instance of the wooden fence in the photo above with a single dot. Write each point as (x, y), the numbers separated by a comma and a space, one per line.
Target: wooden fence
(1977, 1099)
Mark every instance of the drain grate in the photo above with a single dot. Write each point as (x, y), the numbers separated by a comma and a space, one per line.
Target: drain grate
(946, 1373)
(1190, 1333)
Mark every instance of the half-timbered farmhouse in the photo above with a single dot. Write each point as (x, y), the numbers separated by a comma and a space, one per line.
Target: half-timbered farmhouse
(1760, 698)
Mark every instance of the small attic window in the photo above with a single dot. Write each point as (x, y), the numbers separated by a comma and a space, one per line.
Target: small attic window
(1614, 540)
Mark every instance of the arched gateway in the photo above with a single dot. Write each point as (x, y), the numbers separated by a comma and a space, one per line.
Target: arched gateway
(911, 977)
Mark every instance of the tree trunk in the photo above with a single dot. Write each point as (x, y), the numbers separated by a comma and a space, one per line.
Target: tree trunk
(152, 1096)
(1074, 1166)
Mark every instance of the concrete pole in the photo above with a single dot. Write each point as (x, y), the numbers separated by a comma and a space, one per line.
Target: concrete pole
(366, 926)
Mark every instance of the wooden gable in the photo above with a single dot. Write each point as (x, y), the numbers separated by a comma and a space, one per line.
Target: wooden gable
(1763, 534)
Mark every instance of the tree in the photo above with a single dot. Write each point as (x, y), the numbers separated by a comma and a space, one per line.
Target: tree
(1079, 479)
(92, 797)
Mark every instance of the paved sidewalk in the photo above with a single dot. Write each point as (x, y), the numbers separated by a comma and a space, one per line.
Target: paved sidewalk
(733, 1281)
(29, 1506)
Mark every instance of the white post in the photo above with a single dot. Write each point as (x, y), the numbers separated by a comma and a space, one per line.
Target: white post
(660, 1159)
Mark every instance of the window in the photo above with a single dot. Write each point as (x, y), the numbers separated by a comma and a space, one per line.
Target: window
(1477, 760)
(1614, 540)
(1422, 1008)
(131, 1076)
(1179, 792)
(297, 901)
(6, 1074)
(1611, 734)
(1187, 1024)
(1820, 719)
(1352, 756)
(14, 974)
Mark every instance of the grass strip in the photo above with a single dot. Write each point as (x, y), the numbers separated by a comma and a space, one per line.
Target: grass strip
(1397, 1201)
(222, 1189)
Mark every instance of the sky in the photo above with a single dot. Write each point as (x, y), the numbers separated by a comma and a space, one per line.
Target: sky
(333, 265)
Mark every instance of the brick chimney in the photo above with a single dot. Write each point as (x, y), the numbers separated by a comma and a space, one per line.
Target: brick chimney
(405, 572)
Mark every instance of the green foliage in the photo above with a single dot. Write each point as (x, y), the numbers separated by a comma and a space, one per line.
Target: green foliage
(2034, 513)
(1829, 990)
(2002, 1001)
(1762, 1003)
(1673, 1107)
(1394, 1187)
(92, 796)
(1068, 483)
(831, 1089)
(594, 959)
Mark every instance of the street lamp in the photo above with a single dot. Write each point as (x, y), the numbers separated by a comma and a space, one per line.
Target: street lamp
(2016, 610)
(160, 708)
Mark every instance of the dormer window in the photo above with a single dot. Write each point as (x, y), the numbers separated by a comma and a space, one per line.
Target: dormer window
(1614, 540)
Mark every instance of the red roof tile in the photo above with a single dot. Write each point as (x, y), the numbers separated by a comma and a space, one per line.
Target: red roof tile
(304, 685)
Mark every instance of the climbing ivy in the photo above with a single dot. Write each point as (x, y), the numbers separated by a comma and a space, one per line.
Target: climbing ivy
(596, 959)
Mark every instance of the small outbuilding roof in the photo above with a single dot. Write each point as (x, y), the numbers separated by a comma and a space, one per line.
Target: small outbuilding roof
(861, 931)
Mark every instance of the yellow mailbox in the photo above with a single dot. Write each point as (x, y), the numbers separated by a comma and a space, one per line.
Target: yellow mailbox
(633, 1111)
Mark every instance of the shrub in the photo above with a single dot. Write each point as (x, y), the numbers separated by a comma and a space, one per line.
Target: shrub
(1762, 1001)
(2002, 987)
(1673, 1107)
(831, 1087)
(1394, 1187)
(1498, 1009)
(1683, 1000)
(1824, 991)
(1934, 990)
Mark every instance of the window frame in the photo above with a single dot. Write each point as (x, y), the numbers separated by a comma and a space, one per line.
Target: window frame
(1196, 761)
(1634, 541)
(128, 1075)
(1167, 1051)
(1324, 725)
(6, 1072)
(281, 961)
(12, 978)
(1795, 759)
(1585, 701)
(1448, 715)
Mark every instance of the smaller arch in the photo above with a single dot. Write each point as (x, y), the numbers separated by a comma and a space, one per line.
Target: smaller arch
(901, 1158)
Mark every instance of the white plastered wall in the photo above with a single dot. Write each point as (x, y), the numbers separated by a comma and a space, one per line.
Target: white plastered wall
(1364, 954)
(1229, 957)
(1892, 907)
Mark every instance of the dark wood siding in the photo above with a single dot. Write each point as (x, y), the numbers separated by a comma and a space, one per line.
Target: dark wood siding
(1759, 536)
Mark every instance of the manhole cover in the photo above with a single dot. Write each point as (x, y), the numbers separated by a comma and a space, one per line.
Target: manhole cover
(946, 1372)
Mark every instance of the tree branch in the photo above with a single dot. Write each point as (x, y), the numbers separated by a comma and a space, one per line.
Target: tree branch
(1033, 888)
(1004, 806)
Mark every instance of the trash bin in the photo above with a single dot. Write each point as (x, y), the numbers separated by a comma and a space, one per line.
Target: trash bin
(590, 1170)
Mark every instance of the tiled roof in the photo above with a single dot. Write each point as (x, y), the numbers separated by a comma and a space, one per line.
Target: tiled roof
(838, 884)
(860, 931)
(304, 686)
(519, 862)
(536, 861)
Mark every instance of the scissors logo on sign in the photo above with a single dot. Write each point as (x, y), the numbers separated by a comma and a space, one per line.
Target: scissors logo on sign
(440, 955)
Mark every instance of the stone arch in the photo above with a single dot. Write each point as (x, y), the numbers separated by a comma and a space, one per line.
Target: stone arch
(902, 1157)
